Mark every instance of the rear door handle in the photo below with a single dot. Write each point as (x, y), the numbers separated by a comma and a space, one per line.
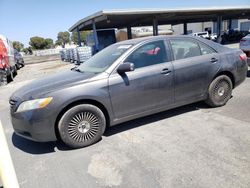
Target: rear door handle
(165, 71)
(213, 60)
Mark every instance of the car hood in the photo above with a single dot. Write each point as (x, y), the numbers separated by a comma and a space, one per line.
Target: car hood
(51, 83)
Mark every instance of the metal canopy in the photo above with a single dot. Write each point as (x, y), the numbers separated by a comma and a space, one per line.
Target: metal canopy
(131, 18)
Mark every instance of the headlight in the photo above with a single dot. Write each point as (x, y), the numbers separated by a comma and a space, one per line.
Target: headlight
(34, 104)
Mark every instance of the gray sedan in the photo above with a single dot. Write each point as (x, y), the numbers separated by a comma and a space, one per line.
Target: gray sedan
(127, 80)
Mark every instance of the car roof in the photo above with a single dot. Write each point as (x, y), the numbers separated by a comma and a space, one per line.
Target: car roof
(152, 38)
(218, 47)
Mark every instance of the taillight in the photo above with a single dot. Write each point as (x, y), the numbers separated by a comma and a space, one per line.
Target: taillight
(243, 57)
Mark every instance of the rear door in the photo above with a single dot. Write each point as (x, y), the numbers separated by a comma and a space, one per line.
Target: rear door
(195, 63)
(148, 87)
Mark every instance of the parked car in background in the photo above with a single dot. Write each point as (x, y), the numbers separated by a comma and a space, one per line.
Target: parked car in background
(18, 59)
(124, 81)
(231, 36)
(245, 46)
(7, 62)
(204, 34)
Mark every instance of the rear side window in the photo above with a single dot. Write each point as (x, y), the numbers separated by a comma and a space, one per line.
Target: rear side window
(183, 48)
(206, 49)
(149, 54)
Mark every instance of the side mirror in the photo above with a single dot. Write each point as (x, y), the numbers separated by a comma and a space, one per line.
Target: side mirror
(126, 67)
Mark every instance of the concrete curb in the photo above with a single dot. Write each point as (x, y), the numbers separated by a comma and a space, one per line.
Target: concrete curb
(7, 171)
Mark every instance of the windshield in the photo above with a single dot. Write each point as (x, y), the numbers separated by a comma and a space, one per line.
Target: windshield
(104, 59)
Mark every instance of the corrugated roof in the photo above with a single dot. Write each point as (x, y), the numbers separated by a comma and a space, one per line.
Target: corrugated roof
(141, 17)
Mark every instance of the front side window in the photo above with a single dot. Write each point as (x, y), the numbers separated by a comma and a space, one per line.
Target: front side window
(184, 48)
(149, 54)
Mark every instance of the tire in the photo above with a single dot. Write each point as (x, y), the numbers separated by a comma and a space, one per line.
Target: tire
(10, 77)
(15, 71)
(18, 66)
(220, 91)
(81, 126)
(3, 78)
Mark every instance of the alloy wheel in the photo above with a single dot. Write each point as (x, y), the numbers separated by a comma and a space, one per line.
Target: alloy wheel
(83, 126)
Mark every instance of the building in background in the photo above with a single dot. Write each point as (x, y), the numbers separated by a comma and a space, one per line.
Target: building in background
(138, 32)
(211, 27)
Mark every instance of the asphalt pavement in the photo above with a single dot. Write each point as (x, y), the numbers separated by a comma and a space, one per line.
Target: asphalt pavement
(192, 146)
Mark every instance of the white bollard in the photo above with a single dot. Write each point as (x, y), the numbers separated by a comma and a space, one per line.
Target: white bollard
(7, 171)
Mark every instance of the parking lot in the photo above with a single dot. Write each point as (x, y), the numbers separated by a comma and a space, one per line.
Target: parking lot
(191, 146)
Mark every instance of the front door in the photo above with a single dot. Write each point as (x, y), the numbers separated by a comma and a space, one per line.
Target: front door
(148, 87)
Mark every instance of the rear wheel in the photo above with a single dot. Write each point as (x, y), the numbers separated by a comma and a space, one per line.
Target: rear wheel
(3, 78)
(15, 71)
(220, 91)
(10, 77)
(18, 66)
(82, 126)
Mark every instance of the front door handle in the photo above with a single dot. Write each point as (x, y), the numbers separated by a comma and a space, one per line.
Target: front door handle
(165, 71)
(213, 60)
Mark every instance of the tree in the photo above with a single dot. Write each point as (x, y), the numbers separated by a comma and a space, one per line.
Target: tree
(39, 43)
(83, 35)
(49, 43)
(18, 45)
(63, 38)
(27, 50)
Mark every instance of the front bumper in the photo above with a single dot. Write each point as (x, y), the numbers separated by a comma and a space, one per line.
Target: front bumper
(36, 125)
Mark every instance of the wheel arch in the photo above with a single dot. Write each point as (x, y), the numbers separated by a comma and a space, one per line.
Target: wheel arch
(78, 102)
(227, 73)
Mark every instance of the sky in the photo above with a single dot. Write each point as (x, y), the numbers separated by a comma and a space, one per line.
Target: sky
(22, 19)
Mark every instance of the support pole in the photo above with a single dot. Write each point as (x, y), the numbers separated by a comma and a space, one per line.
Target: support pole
(79, 37)
(230, 24)
(7, 171)
(129, 32)
(219, 28)
(155, 27)
(95, 37)
(185, 28)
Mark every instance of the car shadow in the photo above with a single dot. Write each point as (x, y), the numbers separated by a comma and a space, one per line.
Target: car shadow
(248, 73)
(38, 148)
(154, 118)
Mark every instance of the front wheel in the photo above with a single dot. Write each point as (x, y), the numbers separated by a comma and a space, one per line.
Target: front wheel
(220, 91)
(82, 125)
